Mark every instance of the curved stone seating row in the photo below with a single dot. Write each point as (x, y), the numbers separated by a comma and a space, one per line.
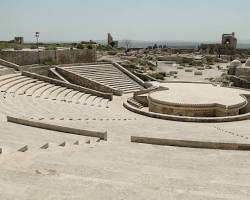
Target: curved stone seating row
(32, 107)
(20, 107)
(6, 108)
(107, 75)
(20, 85)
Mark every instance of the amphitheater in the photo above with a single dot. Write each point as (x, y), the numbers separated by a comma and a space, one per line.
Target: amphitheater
(89, 133)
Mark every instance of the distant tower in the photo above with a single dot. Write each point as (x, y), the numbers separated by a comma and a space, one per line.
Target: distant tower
(18, 40)
(229, 40)
(111, 42)
(37, 34)
(110, 39)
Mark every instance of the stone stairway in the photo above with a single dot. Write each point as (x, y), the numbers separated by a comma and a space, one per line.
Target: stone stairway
(107, 75)
(135, 103)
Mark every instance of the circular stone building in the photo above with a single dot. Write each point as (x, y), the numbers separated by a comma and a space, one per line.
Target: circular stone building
(197, 100)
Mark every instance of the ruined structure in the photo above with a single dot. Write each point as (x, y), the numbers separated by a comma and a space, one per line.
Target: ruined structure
(111, 42)
(229, 40)
(243, 71)
(227, 47)
(18, 40)
(239, 74)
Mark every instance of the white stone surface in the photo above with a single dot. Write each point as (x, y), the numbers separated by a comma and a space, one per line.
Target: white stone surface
(116, 169)
(199, 94)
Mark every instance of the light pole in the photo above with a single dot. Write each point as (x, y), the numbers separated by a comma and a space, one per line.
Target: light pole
(37, 37)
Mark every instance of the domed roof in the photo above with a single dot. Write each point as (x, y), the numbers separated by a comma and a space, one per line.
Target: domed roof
(235, 63)
(247, 63)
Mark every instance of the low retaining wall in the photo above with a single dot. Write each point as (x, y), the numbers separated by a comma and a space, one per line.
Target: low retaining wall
(37, 69)
(54, 74)
(188, 119)
(68, 85)
(85, 82)
(57, 56)
(9, 64)
(191, 143)
(144, 99)
(131, 75)
(98, 134)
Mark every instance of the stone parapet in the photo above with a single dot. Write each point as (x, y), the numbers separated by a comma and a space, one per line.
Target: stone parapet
(26, 122)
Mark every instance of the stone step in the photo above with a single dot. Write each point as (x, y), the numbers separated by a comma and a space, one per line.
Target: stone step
(77, 97)
(124, 88)
(17, 88)
(61, 96)
(125, 84)
(69, 96)
(47, 93)
(9, 76)
(40, 91)
(110, 81)
(130, 91)
(135, 103)
(55, 93)
(7, 86)
(90, 66)
(87, 69)
(24, 88)
(30, 91)
(103, 77)
(96, 71)
(84, 98)
(10, 80)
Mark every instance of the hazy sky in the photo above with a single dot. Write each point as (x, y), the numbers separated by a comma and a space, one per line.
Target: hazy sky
(76, 20)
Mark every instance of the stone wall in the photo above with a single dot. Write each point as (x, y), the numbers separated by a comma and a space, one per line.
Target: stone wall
(85, 82)
(209, 110)
(37, 69)
(185, 118)
(55, 56)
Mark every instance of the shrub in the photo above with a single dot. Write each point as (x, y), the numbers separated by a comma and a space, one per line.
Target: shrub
(89, 46)
(163, 74)
(80, 46)
(159, 76)
(50, 62)
(33, 47)
(18, 48)
(50, 48)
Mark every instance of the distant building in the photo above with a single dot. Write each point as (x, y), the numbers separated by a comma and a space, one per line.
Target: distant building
(227, 47)
(18, 40)
(111, 41)
(229, 40)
